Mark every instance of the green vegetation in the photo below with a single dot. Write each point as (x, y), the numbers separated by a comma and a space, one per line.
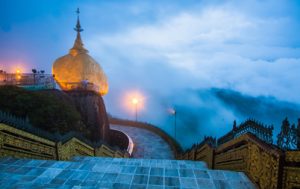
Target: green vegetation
(49, 110)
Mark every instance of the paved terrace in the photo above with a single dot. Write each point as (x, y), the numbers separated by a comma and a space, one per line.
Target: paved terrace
(116, 173)
(147, 144)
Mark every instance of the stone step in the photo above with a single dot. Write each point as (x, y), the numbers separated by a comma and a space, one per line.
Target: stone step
(95, 172)
(159, 163)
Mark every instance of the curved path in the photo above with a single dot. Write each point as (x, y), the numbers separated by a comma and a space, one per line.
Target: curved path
(148, 145)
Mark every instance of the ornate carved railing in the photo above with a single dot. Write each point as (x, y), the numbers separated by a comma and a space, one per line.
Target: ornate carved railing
(18, 143)
(202, 151)
(23, 124)
(267, 165)
(209, 141)
(265, 133)
(18, 138)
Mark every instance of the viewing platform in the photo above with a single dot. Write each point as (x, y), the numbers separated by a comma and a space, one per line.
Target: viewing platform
(116, 173)
(31, 81)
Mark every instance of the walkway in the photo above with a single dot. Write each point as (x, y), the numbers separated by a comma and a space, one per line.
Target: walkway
(115, 173)
(147, 144)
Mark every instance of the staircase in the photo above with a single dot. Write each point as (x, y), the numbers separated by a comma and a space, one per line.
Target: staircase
(119, 173)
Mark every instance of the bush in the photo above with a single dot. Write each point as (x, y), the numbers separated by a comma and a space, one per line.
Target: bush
(48, 110)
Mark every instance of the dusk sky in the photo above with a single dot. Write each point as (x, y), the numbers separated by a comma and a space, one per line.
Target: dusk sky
(162, 48)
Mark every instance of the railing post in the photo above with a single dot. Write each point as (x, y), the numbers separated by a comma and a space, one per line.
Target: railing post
(298, 134)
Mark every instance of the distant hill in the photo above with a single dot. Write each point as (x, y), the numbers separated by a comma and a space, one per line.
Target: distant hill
(268, 110)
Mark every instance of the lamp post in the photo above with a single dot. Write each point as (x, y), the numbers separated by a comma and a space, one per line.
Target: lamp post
(18, 76)
(135, 102)
(173, 112)
(175, 123)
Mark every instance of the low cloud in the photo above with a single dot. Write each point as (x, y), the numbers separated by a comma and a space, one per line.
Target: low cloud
(214, 47)
(217, 47)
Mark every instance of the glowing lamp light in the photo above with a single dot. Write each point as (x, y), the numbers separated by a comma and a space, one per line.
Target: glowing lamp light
(18, 74)
(135, 101)
(132, 98)
(172, 111)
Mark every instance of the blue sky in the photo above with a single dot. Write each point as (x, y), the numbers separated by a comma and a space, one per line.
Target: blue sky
(162, 48)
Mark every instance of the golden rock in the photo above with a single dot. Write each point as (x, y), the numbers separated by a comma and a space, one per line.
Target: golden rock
(78, 70)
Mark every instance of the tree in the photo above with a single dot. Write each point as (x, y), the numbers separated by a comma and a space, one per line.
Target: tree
(287, 138)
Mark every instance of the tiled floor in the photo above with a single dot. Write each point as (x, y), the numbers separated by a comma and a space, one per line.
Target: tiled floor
(95, 172)
(147, 144)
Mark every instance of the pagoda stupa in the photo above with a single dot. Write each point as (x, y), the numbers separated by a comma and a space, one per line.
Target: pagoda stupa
(78, 70)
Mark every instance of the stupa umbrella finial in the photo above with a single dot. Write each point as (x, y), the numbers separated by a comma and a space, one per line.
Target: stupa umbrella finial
(78, 45)
(78, 26)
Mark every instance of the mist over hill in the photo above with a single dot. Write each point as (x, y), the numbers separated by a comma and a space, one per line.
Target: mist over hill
(212, 112)
(269, 110)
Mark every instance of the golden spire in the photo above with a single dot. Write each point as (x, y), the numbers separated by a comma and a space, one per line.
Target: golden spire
(78, 45)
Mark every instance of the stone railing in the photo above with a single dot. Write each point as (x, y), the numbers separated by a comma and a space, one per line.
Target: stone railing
(265, 164)
(84, 85)
(15, 142)
(118, 138)
(34, 81)
(125, 141)
(176, 148)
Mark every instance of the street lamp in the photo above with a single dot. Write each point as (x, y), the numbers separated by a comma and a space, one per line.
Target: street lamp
(173, 112)
(18, 74)
(135, 102)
